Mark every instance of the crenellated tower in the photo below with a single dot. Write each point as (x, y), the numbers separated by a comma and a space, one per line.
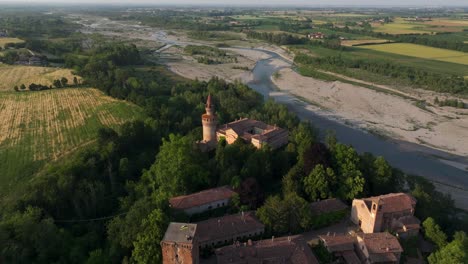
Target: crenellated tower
(210, 122)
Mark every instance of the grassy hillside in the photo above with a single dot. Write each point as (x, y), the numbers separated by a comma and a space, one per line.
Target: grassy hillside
(37, 127)
(17, 75)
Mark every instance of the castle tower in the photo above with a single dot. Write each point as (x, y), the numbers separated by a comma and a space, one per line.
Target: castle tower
(209, 121)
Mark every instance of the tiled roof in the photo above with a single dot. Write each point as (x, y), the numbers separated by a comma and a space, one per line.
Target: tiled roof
(228, 226)
(393, 202)
(406, 223)
(327, 206)
(243, 126)
(290, 250)
(350, 257)
(180, 233)
(201, 198)
(378, 243)
(338, 243)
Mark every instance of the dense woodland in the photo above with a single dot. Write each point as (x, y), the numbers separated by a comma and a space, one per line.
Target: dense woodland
(108, 203)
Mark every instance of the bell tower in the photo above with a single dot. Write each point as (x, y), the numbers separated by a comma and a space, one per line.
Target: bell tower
(210, 122)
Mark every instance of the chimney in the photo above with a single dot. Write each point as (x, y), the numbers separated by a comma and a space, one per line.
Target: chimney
(272, 239)
(289, 239)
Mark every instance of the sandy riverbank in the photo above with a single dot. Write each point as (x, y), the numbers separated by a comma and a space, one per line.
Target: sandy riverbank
(387, 114)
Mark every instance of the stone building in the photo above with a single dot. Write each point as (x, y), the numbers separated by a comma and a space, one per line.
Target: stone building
(180, 244)
(364, 248)
(255, 132)
(394, 211)
(251, 131)
(290, 250)
(227, 229)
(202, 201)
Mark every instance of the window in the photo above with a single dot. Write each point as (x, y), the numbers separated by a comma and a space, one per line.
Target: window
(374, 206)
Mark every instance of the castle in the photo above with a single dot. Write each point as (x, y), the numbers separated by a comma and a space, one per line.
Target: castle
(251, 131)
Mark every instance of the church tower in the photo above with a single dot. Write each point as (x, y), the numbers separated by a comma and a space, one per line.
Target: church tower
(210, 122)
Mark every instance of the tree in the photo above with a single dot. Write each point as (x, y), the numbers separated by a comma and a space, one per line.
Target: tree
(454, 252)
(64, 81)
(382, 176)
(350, 182)
(433, 232)
(178, 168)
(75, 81)
(319, 182)
(23, 87)
(289, 215)
(57, 83)
(147, 247)
(16, 88)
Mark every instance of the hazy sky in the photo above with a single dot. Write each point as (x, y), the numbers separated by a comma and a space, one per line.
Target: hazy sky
(422, 3)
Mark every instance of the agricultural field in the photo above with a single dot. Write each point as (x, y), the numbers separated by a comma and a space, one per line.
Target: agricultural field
(402, 26)
(420, 51)
(37, 127)
(11, 76)
(4, 41)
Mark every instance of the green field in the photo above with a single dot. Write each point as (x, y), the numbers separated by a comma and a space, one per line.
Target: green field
(420, 51)
(37, 127)
(401, 26)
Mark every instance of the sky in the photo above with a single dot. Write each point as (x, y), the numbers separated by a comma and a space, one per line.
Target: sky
(311, 3)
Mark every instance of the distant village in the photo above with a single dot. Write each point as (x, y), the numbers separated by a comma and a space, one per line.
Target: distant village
(24, 57)
(369, 233)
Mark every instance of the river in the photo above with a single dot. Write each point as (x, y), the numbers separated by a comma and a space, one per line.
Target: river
(409, 157)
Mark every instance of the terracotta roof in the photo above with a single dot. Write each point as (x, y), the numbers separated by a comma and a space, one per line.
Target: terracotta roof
(290, 250)
(201, 198)
(406, 223)
(350, 257)
(393, 202)
(327, 206)
(338, 243)
(228, 226)
(379, 243)
(180, 233)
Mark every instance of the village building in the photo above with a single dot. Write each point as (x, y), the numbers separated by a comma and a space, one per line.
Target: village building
(3, 34)
(227, 229)
(202, 201)
(364, 248)
(379, 248)
(327, 206)
(291, 250)
(394, 211)
(316, 35)
(180, 244)
(255, 132)
(251, 131)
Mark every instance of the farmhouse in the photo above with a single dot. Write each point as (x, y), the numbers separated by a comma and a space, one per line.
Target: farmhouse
(227, 229)
(364, 248)
(394, 211)
(316, 35)
(291, 250)
(202, 201)
(251, 131)
(3, 34)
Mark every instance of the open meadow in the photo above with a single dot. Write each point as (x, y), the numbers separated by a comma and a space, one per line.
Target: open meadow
(12, 76)
(4, 41)
(41, 126)
(420, 51)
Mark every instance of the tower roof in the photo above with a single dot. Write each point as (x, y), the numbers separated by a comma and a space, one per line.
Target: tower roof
(208, 101)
